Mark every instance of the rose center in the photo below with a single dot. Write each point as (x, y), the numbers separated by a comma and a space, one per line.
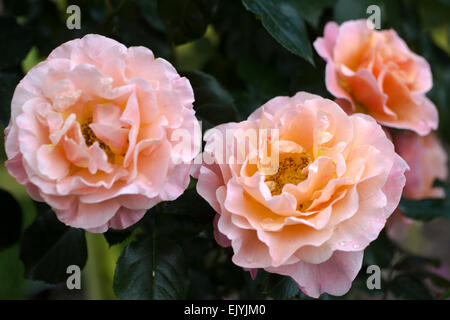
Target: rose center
(90, 138)
(293, 168)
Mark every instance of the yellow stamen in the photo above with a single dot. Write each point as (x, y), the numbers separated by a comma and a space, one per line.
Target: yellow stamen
(292, 169)
(90, 138)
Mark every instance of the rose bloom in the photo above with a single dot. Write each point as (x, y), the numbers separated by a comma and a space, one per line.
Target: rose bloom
(338, 181)
(376, 73)
(90, 133)
(427, 161)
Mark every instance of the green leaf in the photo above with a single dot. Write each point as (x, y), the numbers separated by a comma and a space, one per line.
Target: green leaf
(114, 237)
(183, 218)
(11, 220)
(212, 102)
(179, 225)
(151, 269)
(252, 289)
(427, 209)
(189, 203)
(283, 21)
(281, 287)
(408, 287)
(48, 247)
(186, 20)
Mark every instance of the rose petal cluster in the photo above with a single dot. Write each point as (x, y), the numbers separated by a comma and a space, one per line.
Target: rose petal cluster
(90, 133)
(338, 181)
(427, 161)
(374, 72)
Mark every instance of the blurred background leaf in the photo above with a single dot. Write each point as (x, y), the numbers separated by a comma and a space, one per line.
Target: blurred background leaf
(186, 20)
(408, 287)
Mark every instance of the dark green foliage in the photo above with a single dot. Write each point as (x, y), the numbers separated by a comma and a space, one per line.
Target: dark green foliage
(427, 209)
(186, 20)
(114, 237)
(212, 102)
(10, 58)
(11, 217)
(151, 269)
(282, 20)
(380, 252)
(48, 247)
(408, 287)
(8, 82)
(16, 50)
(281, 287)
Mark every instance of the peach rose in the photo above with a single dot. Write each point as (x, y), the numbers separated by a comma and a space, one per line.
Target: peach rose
(90, 132)
(377, 74)
(338, 181)
(427, 161)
